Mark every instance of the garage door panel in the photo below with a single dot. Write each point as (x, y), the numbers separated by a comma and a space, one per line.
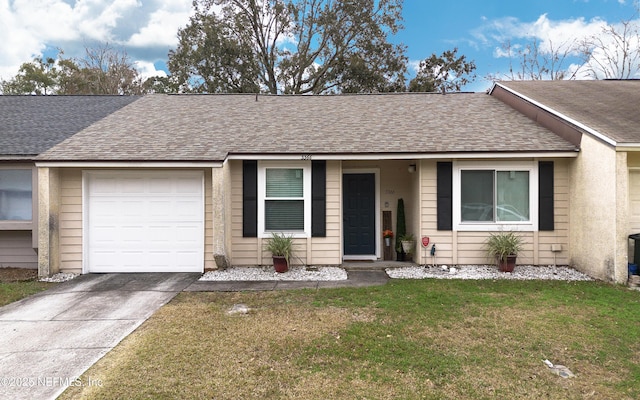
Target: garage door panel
(153, 222)
(161, 185)
(103, 185)
(187, 185)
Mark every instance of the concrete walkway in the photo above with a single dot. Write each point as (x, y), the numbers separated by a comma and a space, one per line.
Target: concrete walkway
(355, 278)
(48, 340)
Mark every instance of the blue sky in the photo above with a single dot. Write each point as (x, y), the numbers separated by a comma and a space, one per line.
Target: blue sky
(477, 28)
(147, 28)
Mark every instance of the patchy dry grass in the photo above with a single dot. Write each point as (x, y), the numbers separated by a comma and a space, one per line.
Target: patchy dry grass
(408, 339)
(16, 283)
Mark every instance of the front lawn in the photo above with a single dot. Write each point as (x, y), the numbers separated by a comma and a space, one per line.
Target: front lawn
(435, 339)
(16, 283)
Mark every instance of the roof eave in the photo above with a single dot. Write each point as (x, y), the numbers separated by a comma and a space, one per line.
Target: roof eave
(406, 156)
(129, 164)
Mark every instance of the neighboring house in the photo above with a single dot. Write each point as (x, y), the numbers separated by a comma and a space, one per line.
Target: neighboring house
(191, 182)
(30, 125)
(603, 118)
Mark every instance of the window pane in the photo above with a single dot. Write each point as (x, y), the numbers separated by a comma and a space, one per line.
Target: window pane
(477, 196)
(284, 215)
(15, 195)
(284, 182)
(513, 196)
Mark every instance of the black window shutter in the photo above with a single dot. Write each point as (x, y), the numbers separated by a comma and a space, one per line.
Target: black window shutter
(319, 198)
(545, 196)
(250, 198)
(445, 196)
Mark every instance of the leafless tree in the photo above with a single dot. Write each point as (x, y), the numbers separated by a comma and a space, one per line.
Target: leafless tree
(532, 62)
(615, 52)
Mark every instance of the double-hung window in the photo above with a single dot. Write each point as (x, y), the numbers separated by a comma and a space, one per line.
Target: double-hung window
(284, 203)
(16, 193)
(492, 196)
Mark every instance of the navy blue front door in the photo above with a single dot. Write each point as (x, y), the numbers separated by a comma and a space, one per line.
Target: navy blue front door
(359, 210)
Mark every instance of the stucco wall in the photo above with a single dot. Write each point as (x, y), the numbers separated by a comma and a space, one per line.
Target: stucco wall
(594, 196)
(461, 247)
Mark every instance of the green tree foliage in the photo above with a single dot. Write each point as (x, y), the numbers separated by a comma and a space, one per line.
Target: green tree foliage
(290, 46)
(103, 70)
(446, 72)
(36, 77)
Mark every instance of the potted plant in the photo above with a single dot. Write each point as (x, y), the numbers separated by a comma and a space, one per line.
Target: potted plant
(280, 246)
(387, 234)
(504, 248)
(408, 241)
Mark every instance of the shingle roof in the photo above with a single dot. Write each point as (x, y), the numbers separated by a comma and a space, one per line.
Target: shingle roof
(30, 125)
(610, 107)
(209, 127)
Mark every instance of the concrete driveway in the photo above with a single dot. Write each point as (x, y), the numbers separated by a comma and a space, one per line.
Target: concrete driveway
(48, 340)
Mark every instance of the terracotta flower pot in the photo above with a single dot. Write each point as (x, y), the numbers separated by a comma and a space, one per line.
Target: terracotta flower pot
(507, 265)
(280, 264)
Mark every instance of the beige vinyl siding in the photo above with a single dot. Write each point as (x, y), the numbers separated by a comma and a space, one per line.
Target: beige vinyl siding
(244, 251)
(312, 251)
(209, 262)
(16, 250)
(70, 221)
(560, 235)
(461, 247)
(327, 250)
(445, 249)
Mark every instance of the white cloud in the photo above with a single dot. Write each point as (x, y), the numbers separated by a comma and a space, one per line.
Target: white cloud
(553, 36)
(544, 29)
(414, 66)
(162, 27)
(148, 69)
(145, 28)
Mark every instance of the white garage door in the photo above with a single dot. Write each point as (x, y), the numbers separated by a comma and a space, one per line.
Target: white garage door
(143, 221)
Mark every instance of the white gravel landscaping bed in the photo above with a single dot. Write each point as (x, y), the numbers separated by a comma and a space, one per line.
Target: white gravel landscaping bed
(521, 272)
(59, 277)
(268, 274)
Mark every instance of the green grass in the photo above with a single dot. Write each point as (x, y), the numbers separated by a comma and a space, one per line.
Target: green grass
(433, 339)
(14, 291)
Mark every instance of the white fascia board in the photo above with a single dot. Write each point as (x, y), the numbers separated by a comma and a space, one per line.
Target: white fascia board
(572, 121)
(128, 164)
(405, 156)
(628, 147)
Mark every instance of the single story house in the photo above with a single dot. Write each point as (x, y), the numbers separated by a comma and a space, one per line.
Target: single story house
(29, 125)
(192, 182)
(603, 119)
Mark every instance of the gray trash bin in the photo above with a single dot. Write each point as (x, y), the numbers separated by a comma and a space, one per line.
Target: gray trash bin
(636, 247)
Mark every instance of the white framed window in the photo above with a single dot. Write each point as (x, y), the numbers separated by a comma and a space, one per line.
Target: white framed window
(284, 198)
(492, 196)
(16, 194)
